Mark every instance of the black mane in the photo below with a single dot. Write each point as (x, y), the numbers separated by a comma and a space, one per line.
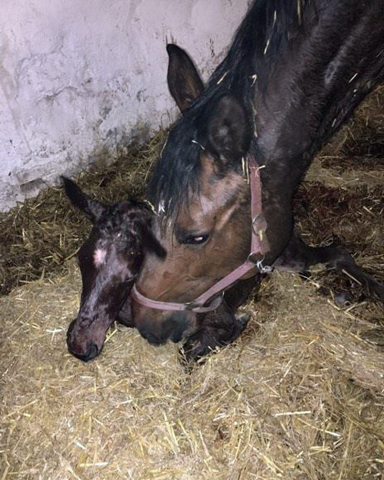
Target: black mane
(177, 171)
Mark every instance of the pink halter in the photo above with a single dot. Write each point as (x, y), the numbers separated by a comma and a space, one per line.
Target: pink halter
(259, 246)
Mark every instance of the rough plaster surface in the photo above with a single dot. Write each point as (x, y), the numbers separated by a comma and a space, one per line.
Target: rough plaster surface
(79, 80)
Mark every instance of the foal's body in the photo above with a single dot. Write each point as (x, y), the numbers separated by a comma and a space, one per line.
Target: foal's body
(294, 74)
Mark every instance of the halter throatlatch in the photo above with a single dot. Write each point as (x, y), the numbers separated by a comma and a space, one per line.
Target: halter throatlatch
(259, 247)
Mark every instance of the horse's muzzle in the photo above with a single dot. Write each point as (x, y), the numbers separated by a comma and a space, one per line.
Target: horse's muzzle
(173, 327)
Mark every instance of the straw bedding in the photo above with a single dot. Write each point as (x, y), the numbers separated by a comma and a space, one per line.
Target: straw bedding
(300, 396)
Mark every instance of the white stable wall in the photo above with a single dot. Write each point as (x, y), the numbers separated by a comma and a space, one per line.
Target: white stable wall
(80, 79)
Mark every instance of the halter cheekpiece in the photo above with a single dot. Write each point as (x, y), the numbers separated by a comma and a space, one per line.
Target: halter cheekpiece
(259, 247)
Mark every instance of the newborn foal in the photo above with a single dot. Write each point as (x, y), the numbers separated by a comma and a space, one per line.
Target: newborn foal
(109, 261)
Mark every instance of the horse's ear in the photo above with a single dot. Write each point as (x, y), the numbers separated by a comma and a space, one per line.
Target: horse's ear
(92, 210)
(229, 131)
(184, 82)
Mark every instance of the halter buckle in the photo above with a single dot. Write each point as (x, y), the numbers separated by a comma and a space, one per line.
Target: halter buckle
(198, 307)
(189, 306)
(259, 225)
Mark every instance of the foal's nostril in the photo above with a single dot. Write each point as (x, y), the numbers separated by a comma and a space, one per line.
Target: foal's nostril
(92, 352)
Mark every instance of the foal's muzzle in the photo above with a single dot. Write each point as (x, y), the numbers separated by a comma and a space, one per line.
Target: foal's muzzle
(85, 354)
(92, 352)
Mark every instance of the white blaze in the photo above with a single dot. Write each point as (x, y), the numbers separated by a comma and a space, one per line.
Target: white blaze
(99, 257)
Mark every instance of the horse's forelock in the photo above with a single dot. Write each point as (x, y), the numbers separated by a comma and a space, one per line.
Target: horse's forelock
(176, 174)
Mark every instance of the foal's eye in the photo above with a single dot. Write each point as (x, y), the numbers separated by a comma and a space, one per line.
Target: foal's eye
(195, 239)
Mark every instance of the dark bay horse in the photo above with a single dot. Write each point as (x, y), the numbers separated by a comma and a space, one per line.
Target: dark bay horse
(295, 72)
(109, 261)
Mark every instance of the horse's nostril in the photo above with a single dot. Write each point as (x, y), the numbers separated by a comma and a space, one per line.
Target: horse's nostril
(175, 326)
(150, 337)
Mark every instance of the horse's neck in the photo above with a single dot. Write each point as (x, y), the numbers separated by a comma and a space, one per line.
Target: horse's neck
(315, 82)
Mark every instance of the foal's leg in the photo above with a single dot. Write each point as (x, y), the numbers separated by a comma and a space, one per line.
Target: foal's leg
(221, 327)
(298, 256)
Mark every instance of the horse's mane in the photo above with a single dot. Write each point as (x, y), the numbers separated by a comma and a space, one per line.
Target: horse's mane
(261, 36)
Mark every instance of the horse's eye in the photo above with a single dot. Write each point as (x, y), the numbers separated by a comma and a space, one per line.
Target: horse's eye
(195, 239)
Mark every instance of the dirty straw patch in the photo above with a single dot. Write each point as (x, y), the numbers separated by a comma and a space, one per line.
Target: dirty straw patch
(300, 396)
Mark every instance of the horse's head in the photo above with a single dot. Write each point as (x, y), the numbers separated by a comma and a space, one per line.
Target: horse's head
(109, 261)
(203, 201)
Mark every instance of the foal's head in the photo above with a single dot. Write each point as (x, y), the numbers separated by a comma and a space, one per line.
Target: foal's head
(203, 202)
(109, 261)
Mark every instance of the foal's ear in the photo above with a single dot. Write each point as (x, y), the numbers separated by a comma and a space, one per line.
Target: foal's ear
(184, 82)
(229, 131)
(92, 209)
(150, 242)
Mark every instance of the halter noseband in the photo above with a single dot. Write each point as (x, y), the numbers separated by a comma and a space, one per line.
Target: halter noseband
(259, 246)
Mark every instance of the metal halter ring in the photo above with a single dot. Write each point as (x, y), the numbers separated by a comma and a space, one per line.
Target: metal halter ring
(261, 268)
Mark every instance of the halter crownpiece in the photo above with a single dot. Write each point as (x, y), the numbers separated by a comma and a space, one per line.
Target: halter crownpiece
(259, 247)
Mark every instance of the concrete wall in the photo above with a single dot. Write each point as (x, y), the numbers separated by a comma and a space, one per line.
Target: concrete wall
(80, 79)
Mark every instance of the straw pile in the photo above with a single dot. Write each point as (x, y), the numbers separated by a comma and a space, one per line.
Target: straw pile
(300, 396)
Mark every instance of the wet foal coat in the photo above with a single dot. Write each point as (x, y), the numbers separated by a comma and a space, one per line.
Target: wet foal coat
(109, 261)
